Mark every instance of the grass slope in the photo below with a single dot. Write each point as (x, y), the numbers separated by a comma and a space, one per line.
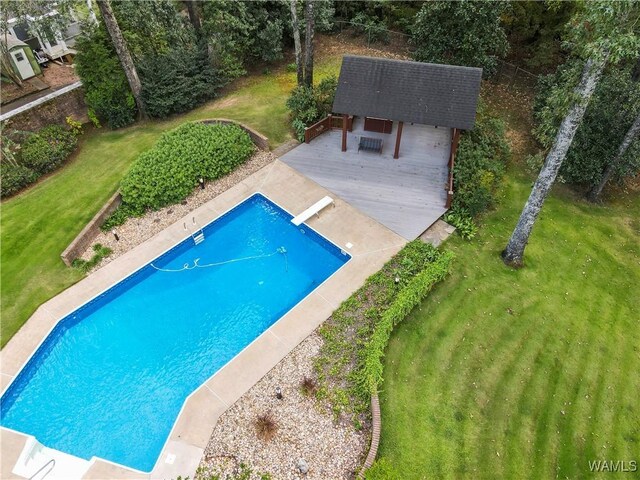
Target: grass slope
(529, 373)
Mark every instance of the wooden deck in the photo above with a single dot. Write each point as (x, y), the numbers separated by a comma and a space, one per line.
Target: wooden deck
(406, 195)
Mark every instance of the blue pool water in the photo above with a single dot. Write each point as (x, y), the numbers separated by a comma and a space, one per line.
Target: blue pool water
(110, 379)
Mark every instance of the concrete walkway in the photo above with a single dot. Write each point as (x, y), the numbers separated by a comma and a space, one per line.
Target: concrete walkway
(372, 245)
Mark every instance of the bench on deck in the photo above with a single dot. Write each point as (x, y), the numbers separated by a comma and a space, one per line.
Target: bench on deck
(370, 144)
(312, 210)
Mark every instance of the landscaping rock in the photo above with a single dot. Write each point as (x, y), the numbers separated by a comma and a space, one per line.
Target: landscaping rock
(302, 466)
(138, 230)
(307, 444)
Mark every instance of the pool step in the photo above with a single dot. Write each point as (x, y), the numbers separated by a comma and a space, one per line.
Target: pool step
(38, 462)
(198, 238)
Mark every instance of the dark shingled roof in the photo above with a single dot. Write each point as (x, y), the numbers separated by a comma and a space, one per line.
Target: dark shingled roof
(423, 93)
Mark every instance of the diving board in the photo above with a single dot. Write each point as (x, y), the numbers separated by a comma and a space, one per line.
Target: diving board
(312, 210)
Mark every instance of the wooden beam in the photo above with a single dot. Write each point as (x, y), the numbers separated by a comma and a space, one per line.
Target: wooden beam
(344, 132)
(396, 152)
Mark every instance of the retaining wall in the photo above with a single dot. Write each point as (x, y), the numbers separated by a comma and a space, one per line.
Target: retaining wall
(90, 231)
(52, 109)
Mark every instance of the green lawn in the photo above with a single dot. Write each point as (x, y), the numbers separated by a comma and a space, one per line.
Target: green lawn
(37, 225)
(529, 373)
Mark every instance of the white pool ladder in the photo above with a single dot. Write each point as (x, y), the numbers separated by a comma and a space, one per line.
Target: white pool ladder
(197, 234)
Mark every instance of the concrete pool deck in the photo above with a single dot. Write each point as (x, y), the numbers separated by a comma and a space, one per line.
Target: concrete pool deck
(372, 245)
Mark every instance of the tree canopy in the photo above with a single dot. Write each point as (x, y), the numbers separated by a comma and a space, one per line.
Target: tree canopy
(466, 33)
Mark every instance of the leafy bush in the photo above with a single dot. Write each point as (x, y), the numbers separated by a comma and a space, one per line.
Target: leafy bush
(86, 265)
(107, 91)
(177, 81)
(120, 215)
(45, 150)
(463, 222)
(308, 105)
(381, 469)
(324, 93)
(374, 29)
(167, 173)
(479, 165)
(14, 178)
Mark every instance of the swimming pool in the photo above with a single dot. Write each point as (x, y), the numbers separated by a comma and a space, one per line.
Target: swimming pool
(112, 376)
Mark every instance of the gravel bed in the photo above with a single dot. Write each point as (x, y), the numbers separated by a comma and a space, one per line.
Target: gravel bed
(137, 230)
(305, 429)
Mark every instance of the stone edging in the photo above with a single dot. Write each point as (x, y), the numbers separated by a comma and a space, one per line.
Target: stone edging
(82, 241)
(89, 232)
(375, 435)
(260, 140)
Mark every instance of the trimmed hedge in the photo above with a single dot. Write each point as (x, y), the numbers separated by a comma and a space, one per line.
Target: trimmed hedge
(47, 149)
(168, 173)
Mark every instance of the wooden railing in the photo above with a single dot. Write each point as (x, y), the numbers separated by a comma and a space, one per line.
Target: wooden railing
(452, 158)
(317, 129)
(328, 123)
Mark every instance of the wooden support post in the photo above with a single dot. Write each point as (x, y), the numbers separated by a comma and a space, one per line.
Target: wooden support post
(455, 139)
(396, 152)
(344, 132)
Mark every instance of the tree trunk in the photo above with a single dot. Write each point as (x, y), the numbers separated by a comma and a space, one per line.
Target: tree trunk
(194, 15)
(630, 136)
(92, 15)
(296, 40)
(308, 43)
(514, 252)
(124, 56)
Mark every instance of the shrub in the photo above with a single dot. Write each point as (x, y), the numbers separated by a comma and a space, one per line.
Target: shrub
(120, 215)
(463, 223)
(308, 386)
(308, 105)
(86, 265)
(45, 150)
(167, 173)
(15, 178)
(107, 91)
(479, 166)
(177, 81)
(266, 427)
